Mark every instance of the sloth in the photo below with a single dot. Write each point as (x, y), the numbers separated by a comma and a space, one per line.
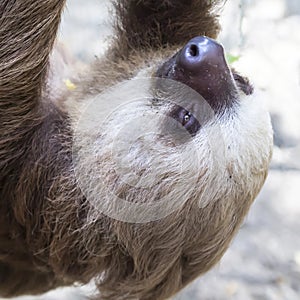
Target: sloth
(140, 173)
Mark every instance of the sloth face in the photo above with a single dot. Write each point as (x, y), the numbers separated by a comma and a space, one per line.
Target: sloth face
(193, 132)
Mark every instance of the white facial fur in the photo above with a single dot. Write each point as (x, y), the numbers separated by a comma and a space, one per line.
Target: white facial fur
(131, 172)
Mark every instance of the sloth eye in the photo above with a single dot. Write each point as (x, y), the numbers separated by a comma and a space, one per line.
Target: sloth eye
(186, 118)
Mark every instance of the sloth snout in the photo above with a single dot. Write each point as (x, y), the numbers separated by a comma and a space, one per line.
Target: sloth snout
(199, 52)
(201, 65)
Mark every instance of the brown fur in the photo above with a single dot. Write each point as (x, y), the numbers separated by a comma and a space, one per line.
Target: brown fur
(45, 241)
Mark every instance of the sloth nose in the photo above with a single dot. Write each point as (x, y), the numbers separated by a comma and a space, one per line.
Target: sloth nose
(201, 65)
(201, 51)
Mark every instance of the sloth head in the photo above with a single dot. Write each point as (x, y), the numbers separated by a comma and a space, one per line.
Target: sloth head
(171, 160)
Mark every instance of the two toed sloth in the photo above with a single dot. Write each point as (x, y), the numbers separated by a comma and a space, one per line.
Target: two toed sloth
(140, 177)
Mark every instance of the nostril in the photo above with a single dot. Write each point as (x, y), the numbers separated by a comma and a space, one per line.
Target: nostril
(193, 50)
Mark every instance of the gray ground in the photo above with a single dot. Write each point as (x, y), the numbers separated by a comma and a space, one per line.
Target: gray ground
(263, 263)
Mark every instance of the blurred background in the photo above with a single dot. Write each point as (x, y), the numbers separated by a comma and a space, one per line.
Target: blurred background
(263, 262)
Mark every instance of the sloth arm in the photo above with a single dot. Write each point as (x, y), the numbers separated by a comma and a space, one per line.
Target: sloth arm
(155, 24)
(27, 32)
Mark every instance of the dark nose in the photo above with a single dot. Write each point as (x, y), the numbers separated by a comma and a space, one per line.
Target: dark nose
(201, 51)
(202, 66)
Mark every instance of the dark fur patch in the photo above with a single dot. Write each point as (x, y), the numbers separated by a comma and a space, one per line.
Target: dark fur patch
(243, 83)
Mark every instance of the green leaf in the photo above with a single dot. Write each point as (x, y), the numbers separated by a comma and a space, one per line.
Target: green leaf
(232, 58)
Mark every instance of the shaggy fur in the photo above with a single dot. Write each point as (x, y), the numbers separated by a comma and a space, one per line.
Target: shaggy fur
(52, 232)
